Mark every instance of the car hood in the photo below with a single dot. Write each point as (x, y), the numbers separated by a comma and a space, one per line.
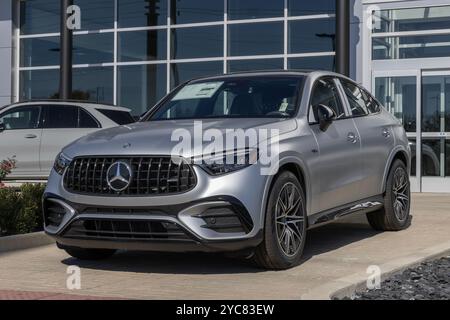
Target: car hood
(155, 138)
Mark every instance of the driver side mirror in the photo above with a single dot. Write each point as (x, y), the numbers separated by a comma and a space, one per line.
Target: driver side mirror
(2, 127)
(325, 115)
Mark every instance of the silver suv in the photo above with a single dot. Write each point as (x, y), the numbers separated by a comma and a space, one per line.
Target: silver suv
(334, 151)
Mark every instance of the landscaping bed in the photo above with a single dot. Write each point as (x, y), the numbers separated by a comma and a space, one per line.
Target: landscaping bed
(428, 281)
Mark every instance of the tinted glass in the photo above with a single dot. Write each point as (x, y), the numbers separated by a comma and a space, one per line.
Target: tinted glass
(431, 157)
(197, 42)
(97, 14)
(251, 9)
(39, 84)
(251, 65)
(86, 120)
(119, 117)
(93, 84)
(193, 11)
(325, 92)
(141, 13)
(253, 97)
(327, 63)
(41, 16)
(181, 72)
(256, 39)
(36, 52)
(317, 35)
(20, 118)
(59, 117)
(93, 48)
(302, 8)
(355, 99)
(142, 45)
(140, 87)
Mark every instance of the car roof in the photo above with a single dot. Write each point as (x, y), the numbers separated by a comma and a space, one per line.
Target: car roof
(85, 104)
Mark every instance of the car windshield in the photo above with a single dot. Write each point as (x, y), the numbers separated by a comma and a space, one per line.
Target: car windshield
(252, 97)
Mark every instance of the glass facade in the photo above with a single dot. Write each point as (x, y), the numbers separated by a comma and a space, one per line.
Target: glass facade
(132, 52)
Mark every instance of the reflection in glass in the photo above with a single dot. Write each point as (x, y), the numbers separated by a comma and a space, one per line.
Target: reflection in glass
(39, 84)
(255, 39)
(93, 84)
(254, 9)
(142, 45)
(39, 16)
(141, 13)
(327, 63)
(315, 35)
(194, 11)
(36, 52)
(181, 72)
(140, 87)
(399, 96)
(431, 157)
(302, 8)
(436, 104)
(199, 42)
(413, 146)
(96, 15)
(254, 65)
(93, 48)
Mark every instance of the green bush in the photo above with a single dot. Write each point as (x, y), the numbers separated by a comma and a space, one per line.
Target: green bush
(20, 210)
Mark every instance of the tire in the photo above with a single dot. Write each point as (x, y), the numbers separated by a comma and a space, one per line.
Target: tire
(277, 254)
(395, 215)
(90, 254)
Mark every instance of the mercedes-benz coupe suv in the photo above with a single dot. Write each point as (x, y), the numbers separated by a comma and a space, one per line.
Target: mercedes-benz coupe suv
(313, 147)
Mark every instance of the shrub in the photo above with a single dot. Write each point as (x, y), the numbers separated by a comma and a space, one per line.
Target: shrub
(6, 166)
(20, 210)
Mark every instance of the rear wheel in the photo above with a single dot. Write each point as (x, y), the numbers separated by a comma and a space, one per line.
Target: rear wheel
(395, 214)
(90, 254)
(285, 225)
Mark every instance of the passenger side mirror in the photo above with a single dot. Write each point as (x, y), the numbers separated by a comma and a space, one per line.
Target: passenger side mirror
(325, 115)
(2, 127)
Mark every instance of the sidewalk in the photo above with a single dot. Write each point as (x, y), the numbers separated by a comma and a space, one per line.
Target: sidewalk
(332, 252)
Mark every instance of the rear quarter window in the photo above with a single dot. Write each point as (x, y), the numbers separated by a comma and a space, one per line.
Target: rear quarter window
(119, 117)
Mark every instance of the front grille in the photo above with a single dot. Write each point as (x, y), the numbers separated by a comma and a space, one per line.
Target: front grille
(115, 229)
(151, 176)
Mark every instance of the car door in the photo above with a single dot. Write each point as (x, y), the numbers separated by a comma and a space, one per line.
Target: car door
(377, 139)
(20, 138)
(62, 124)
(338, 167)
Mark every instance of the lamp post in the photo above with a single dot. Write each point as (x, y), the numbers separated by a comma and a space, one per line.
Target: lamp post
(343, 37)
(66, 45)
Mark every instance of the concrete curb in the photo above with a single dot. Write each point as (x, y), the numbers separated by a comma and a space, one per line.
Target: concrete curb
(24, 241)
(347, 286)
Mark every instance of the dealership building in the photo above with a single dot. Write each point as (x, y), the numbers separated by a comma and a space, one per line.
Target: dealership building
(132, 52)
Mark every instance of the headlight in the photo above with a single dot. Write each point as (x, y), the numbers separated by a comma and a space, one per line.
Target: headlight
(227, 162)
(61, 163)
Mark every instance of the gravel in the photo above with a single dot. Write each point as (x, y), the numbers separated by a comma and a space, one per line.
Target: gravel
(429, 281)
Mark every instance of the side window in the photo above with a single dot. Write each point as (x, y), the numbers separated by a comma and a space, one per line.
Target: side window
(325, 92)
(371, 103)
(86, 120)
(355, 98)
(61, 117)
(21, 118)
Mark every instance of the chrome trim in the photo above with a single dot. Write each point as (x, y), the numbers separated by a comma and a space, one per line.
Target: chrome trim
(70, 213)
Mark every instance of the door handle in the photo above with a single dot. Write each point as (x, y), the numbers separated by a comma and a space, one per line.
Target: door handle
(30, 136)
(386, 133)
(352, 137)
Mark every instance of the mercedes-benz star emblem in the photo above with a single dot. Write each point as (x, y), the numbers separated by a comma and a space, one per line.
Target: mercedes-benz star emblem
(119, 176)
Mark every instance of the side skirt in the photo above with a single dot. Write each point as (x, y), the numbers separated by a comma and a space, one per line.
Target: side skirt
(362, 206)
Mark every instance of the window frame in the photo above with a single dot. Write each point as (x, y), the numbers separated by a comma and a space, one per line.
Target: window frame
(13, 110)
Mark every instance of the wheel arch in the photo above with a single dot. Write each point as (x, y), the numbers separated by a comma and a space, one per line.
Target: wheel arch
(399, 153)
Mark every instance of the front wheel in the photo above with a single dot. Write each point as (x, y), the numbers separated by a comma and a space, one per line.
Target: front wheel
(395, 215)
(285, 225)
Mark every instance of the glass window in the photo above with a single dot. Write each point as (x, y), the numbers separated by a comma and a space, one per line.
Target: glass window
(36, 52)
(39, 84)
(140, 87)
(97, 14)
(255, 39)
(355, 99)
(86, 120)
(21, 118)
(256, 64)
(182, 72)
(302, 8)
(431, 157)
(93, 48)
(93, 84)
(325, 92)
(327, 63)
(316, 35)
(59, 117)
(255, 9)
(40, 16)
(198, 42)
(142, 45)
(142, 13)
(252, 97)
(119, 117)
(194, 11)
